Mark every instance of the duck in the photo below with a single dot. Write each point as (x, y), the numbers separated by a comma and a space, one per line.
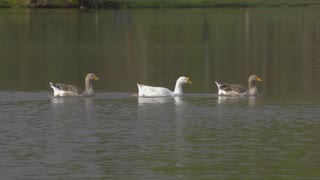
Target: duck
(72, 90)
(150, 91)
(239, 90)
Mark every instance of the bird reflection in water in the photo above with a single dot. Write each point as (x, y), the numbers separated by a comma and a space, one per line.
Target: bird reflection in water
(232, 100)
(159, 100)
(58, 101)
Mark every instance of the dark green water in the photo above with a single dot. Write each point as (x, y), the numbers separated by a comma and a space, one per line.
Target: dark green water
(115, 135)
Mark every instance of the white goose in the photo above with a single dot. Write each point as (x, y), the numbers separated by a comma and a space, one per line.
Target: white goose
(150, 91)
(236, 90)
(71, 90)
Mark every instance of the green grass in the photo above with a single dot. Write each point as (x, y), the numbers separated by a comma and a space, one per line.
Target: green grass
(40, 3)
(5, 3)
(156, 3)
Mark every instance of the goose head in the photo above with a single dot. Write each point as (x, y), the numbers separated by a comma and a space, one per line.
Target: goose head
(184, 80)
(254, 78)
(91, 76)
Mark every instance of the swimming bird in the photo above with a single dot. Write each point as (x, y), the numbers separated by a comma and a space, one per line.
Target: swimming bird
(150, 91)
(71, 90)
(235, 89)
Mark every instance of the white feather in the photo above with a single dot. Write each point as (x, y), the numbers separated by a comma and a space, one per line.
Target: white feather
(150, 91)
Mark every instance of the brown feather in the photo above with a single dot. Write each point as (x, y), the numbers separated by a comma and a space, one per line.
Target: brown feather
(233, 87)
(71, 88)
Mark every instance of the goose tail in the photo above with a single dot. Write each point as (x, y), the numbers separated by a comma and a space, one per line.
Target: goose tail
(53, 86)
(218, 84)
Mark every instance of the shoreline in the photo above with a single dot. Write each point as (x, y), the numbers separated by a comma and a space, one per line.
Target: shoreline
(121, 4)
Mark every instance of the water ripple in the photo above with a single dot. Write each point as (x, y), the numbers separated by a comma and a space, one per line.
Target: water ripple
(45, 137)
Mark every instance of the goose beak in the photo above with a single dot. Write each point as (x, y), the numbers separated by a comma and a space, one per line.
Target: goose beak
(189, 81)
(95, 78)
(258, 79)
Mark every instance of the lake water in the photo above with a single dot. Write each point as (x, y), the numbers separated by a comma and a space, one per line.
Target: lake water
(116, 135)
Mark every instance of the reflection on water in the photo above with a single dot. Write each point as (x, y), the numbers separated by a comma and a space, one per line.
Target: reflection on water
(61, 101)
(156, 100)
(159, 100)
(89, 103)
(197, 136)
(57, 100)
(237, 100)
(252, 101)
(186, 137)
(130, 46)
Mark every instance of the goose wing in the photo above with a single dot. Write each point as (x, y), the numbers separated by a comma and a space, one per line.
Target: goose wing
(69, 88)
(151, 91)
(233, 87)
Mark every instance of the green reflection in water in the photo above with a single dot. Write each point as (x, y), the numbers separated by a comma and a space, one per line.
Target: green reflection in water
(155, 47)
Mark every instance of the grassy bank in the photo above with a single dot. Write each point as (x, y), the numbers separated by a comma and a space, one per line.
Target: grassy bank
(40, 3)
(153, 3)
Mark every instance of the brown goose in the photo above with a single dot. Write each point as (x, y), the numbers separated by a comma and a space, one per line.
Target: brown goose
(236, 90)
(71, 90)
